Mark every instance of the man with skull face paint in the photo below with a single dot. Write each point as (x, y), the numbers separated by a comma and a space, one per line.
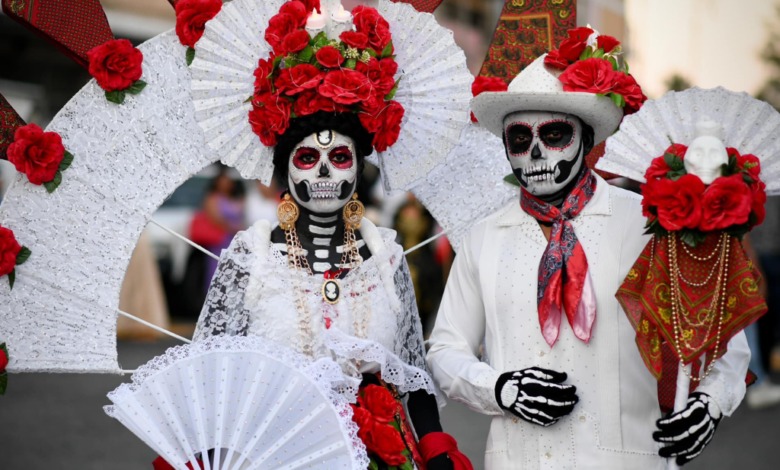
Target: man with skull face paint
(577, 397)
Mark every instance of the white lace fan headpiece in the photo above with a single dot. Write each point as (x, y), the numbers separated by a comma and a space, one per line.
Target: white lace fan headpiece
(242, 403)
(748, 125)
(434, 89)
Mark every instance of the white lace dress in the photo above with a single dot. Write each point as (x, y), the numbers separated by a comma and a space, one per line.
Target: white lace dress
(375, 326)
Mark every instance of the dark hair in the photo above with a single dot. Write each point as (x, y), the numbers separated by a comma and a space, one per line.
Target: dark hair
(347, 124)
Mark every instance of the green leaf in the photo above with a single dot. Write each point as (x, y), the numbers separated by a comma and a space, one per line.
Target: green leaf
(587, 53)
(599, 53)
(117, 97)
(190, 55)
(24, 253)
(676, 174)
(407, 466)
(618, 99)
(691, 237)
(66, 161)
(3, 382)
(388, 50)
(320, 40)
(392, 93)
(53, 184)
(306, 54)
(372, 465)
(350, 64)
(277, 61)
(613, 61)
(674, 162)
(512, 179)
(12, 278)
(747, 178)
(136, 87)
(371, 52)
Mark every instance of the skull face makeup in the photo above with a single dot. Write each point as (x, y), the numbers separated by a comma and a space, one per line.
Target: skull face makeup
(322, 171)
(545, 150)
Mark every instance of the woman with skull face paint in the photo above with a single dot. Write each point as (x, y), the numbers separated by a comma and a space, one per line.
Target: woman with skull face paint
(326, 281)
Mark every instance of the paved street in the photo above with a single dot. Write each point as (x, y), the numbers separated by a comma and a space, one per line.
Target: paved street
(55, 421)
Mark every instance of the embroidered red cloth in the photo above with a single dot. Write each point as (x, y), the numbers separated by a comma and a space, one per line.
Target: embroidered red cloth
(73, 26)
(646, 299)
(437, 443)
(564, 268)
(426, 6)
(9, 122)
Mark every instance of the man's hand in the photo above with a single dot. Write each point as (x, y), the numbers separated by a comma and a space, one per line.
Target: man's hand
(536, 395)
(688, 431)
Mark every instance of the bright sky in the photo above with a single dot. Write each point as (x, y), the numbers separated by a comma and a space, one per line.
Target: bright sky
(709, 42)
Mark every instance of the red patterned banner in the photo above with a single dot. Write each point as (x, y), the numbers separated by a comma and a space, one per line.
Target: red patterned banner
(426, 6)
(9, 122)
(709, 294)
(526, 30)
(73, 26)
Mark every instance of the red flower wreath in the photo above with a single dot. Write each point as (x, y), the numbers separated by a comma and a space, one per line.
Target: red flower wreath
(589, 62)
(674, 200)
(304, 75)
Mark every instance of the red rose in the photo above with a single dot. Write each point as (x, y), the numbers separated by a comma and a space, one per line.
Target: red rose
(482, 84)
(345, 86)
(312, 5)
(389, 126)
(368, 21)
(354, 39)
(379, 402)
(3, 360)
(297, 79)
(330, 57)
(555, 60)
(607, 43)
(9, 250)
(759, 200)
(726, 202)
(115, 64)
(263, 75)
(297, 10)
(572, 47)
(657, 169)
(748, 163)
(381, 74)
(386, 442)
(310, 102)
(590, 76)
(678, 203)
(627, 86)
(295, 41)
(269, 117)
(678, 150)
(362, 417)
(279, 26)
(191, 18)
(35, 153)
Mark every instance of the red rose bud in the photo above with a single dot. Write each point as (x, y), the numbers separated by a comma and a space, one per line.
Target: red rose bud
(297, 10)
(726, 202)
(555, 60)
(191, 18)
(115, 65)
(3, 360)
(36, 153)
(657, 169)
(354, 39)
(748, 163)
(329, 57)
(296, 41)
(607, 43)
(279, 27)
(9, 250)
(590, 76)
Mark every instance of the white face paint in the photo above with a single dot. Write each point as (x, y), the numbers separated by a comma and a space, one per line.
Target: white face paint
(544, 149)
(707, 153)
(322, 172)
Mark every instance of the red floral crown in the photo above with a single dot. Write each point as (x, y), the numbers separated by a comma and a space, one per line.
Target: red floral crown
(305, 74)
(674, 200)
(590, 63)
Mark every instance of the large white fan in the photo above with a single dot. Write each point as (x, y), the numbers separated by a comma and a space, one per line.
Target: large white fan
(246, 404)
(434, 89)
(749, 125)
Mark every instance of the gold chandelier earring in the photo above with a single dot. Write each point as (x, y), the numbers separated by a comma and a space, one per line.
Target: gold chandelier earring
(287, 211)
(354, 211)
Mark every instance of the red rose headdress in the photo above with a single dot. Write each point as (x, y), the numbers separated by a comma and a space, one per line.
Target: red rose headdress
(584, 77)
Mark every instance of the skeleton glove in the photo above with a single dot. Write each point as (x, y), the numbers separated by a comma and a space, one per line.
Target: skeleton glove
(536, 395)
(688, 431)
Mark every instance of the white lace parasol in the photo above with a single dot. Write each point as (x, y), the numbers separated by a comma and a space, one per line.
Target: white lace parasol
(434, 89)
(469, 185)
(245, 403)
(749, 125)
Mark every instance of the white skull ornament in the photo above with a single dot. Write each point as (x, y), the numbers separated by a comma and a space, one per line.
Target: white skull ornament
(322, 172)
(707, 154)
(544, 150)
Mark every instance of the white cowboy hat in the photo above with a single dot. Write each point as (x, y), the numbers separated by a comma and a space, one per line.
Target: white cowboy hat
(537, 88)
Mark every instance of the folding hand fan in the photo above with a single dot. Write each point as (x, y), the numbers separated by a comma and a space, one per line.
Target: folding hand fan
(244, 403)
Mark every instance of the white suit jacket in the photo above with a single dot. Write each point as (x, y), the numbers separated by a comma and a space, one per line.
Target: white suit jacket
(491, 297)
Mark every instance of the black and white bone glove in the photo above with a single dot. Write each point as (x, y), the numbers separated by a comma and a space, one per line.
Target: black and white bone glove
(536, 395)
(688, 431)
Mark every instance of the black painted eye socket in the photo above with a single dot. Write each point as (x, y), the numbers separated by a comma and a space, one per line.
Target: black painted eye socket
(519, 138)
(556, 134)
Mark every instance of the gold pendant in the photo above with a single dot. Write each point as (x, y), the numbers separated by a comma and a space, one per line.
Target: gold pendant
(331, 291)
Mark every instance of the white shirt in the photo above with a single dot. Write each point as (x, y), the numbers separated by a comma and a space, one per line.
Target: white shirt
(491, 297)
